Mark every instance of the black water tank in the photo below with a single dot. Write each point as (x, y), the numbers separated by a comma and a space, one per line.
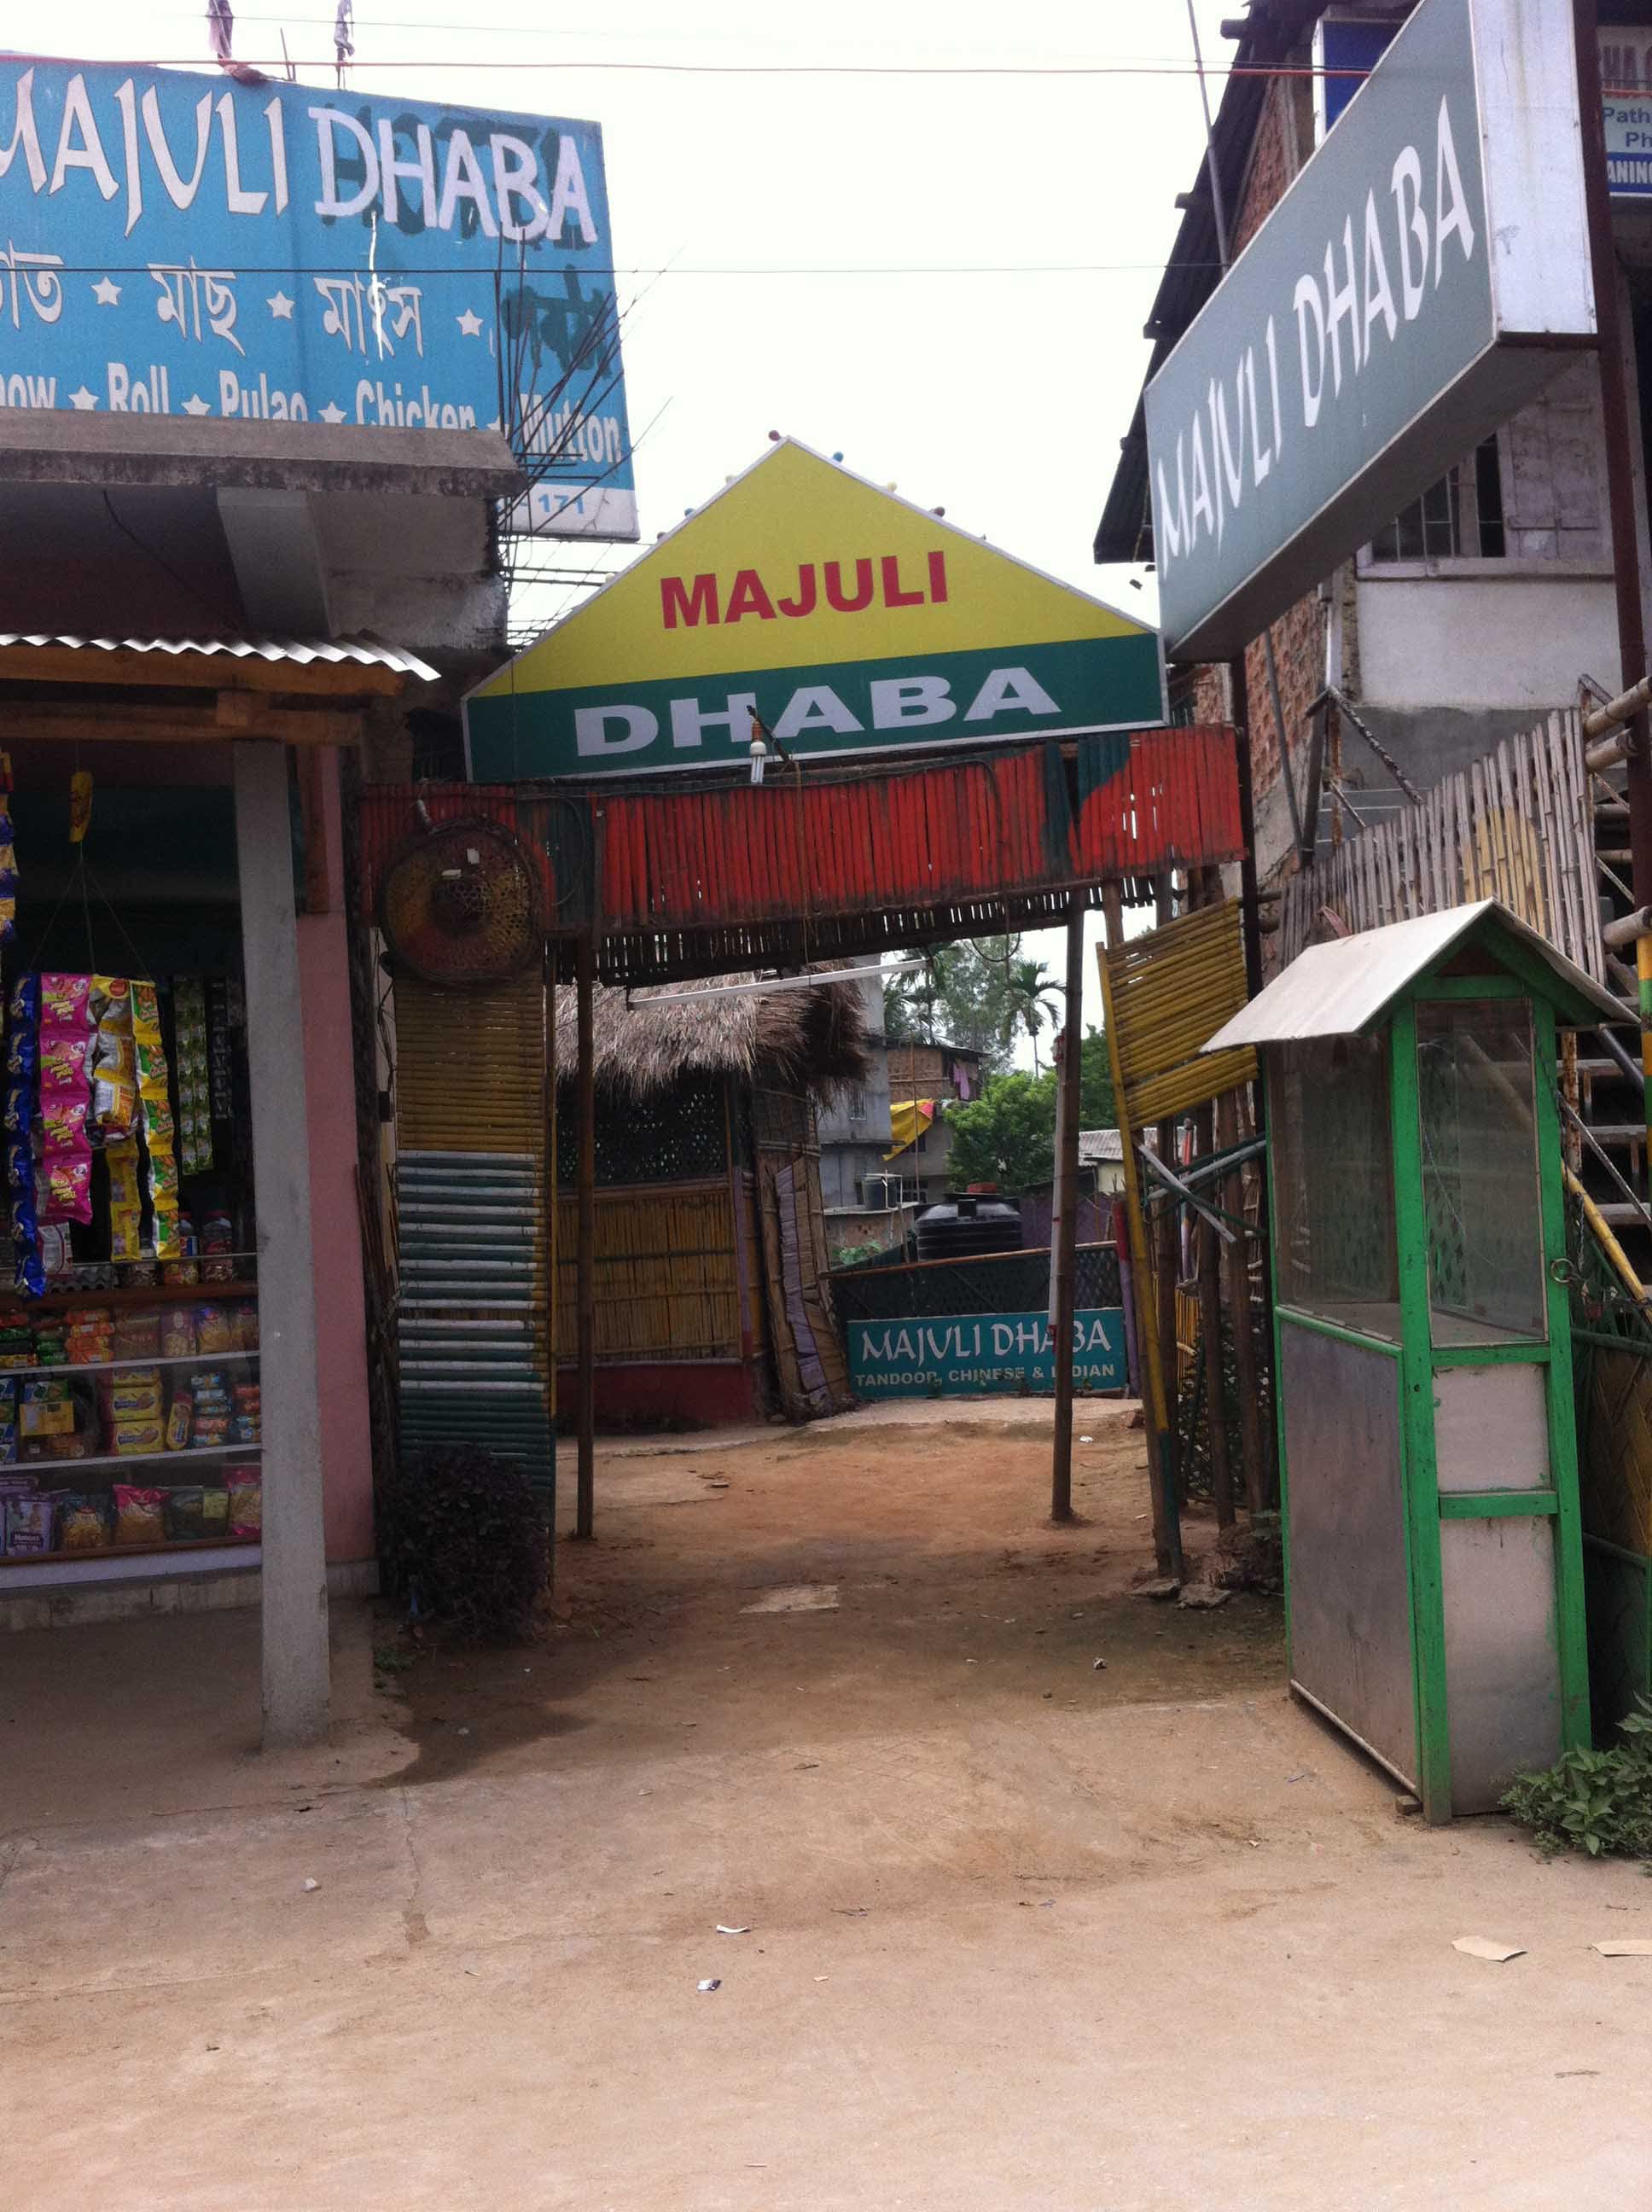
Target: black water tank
(967, 1223)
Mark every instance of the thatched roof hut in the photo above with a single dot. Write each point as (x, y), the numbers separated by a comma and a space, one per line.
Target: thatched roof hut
(796, 1040)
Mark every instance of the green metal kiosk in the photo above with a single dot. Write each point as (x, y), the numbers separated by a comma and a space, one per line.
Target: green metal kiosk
(1427, 1434)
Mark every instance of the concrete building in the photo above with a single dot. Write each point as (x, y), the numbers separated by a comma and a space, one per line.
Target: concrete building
(184, 599)
(854, 1119)
(923, 1081)
(1475, 610)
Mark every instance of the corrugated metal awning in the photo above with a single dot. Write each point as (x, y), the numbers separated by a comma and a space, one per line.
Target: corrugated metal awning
(364, 651)
(1339, 989)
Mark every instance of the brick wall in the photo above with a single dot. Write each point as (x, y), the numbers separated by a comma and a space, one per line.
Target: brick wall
(1299, 660)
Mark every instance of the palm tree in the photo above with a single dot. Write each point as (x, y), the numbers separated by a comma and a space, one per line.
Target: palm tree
(1031, 1001)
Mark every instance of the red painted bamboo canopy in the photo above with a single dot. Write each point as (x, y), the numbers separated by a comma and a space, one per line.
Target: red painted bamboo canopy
(693, 876)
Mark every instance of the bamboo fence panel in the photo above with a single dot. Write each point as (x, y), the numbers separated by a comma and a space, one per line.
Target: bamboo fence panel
(667, 1278)
(1515, 826)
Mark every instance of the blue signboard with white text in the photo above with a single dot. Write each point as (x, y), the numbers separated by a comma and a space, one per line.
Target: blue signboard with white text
(190, 245)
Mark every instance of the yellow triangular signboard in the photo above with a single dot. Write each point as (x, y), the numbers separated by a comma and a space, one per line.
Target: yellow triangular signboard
(845, 619)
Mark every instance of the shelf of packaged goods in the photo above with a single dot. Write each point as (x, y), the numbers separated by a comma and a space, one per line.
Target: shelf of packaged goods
(67, 1469)
(202, 1359)
(131, 1551)
(146, 1294)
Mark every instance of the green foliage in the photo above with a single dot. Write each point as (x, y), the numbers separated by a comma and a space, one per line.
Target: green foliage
(1095, 1107)
(462, 1539)
(1598, 1801)
(981, 994)
(1007, 1136)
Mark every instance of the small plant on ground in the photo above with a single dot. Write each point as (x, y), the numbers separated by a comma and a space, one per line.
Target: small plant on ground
(463, 1541)
(1598, 1801)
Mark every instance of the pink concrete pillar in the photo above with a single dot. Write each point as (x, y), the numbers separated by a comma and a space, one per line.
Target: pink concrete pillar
(340, 1304)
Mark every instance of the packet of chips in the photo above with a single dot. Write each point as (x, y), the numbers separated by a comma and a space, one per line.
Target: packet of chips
(66, 1002)
(8, 857)
(246, 1489)
(20, 1115)
(140, 1515)
(154, 1115)
(84, 1522)
(114, 1058)
(191, 1071)
(125, 1198)
(64, 1060)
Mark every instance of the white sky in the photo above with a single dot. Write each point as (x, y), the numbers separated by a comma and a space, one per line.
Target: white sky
(1001, 397)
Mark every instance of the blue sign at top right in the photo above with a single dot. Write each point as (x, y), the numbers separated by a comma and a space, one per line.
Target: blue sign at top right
(1626, 86)
(1347, 49)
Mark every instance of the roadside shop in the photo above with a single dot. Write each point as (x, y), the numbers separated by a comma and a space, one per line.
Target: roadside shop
(181, 1143)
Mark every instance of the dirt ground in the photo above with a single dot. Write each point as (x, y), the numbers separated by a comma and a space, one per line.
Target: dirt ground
(1019, 1931)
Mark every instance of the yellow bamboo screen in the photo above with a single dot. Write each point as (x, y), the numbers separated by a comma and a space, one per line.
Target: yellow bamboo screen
(666, 1281)
(470, 1068)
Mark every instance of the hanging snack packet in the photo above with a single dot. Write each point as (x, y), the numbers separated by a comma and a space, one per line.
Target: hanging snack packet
(192, 1072)
(65, 1061)
(66, 1002)
(8, 871)
(19, 1116)
(62, 1119)
(19, 1106)
(155, 1109)
(125, 1198)
(114, 1058)
(69, 1188)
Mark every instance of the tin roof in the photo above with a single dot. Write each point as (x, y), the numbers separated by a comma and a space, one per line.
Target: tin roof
(1097, 1146)
(1339, 989)
(366, 652)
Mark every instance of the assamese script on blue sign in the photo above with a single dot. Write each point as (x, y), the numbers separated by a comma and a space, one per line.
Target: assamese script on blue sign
(174, 244)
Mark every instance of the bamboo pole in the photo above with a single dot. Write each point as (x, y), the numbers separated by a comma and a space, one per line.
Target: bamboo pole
(1235, 1266)
(1166, 1517)
(1216, 1405)
(1066, 1203)
(1167, 1269)
(585, 1279)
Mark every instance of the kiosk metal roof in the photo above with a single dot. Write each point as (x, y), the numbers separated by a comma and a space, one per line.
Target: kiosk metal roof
(1339, 989)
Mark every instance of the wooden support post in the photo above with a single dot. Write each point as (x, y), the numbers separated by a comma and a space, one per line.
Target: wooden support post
(1067, 1208)
(585, 1270)
(295, 1560)
(1166, 1517)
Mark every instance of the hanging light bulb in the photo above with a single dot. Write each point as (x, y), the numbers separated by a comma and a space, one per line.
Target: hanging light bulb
(759, 747)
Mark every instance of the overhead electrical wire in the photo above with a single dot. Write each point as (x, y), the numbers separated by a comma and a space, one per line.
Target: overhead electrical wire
(277, 65)
(673, 268)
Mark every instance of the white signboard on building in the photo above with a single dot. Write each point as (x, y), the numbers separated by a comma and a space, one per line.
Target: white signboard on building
(1426, 274)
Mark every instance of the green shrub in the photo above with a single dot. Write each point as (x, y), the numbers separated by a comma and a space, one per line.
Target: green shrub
(1598, 1801)
(462, 1540)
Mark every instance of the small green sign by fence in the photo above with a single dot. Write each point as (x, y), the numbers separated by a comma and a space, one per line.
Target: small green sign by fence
(953, 1355)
